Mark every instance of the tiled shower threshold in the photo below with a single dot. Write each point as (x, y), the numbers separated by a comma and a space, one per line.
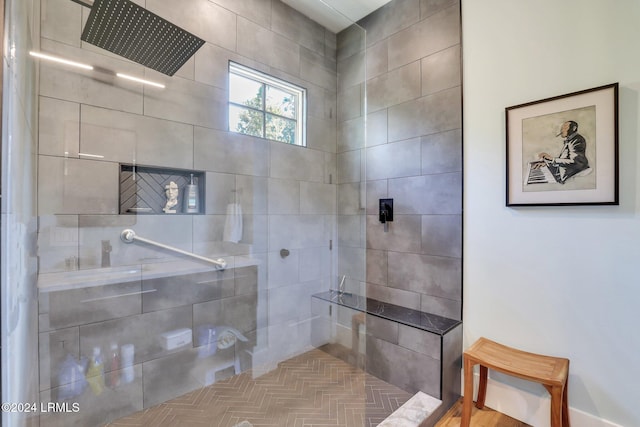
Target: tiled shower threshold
(311, 389)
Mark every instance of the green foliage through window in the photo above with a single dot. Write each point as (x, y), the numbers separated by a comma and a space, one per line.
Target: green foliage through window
(266, 107)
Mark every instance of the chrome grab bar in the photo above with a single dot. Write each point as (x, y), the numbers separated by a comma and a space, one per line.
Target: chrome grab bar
(129, 236)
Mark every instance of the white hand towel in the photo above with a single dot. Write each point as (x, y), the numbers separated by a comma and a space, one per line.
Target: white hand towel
(233, 223)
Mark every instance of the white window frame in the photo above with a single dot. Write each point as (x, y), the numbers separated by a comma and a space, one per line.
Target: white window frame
(299, 92)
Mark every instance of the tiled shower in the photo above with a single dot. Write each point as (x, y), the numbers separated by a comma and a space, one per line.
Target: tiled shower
(383, 121)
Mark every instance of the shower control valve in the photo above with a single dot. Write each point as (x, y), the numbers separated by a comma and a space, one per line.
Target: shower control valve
(385, 213)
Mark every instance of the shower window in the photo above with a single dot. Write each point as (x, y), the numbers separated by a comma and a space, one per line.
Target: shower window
(264, 106)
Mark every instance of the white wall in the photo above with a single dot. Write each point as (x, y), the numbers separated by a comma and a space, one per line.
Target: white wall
(555, 280)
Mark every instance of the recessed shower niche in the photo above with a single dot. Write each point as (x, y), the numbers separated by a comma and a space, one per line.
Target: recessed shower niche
(147, 190)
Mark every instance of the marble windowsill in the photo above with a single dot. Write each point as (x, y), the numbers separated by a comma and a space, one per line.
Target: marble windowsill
(406, 316)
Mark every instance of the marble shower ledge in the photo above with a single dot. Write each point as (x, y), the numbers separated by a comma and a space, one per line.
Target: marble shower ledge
(65, 280)
(413, 412)
(406, 316)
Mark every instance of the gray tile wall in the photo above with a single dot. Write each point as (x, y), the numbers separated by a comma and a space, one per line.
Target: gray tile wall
(351, 158)
(75, 321)
(288, 194)
(414, 154)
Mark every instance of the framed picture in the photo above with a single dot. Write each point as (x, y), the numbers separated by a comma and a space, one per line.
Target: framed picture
(564, 150)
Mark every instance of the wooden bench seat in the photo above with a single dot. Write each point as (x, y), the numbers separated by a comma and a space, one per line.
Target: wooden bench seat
(551, 372)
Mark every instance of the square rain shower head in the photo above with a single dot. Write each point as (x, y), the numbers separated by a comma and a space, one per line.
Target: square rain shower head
(128, 30)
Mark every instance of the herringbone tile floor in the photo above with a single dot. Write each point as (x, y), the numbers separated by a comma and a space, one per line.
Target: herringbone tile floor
(313, 389)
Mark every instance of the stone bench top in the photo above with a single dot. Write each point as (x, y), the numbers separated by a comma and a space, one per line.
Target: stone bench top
(406, 316)
(413, 413)
(86, 278)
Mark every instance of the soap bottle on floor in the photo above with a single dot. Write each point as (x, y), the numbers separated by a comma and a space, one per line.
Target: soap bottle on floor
(95, 373)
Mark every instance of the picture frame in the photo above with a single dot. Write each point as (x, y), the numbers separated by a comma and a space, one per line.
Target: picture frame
(564, 150)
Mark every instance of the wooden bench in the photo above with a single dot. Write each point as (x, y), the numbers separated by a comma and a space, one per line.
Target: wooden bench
(551, 372)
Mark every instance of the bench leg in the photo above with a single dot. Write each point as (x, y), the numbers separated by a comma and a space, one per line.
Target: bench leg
(556, 406)
(482, 387)
(565, 405)
(468, 393)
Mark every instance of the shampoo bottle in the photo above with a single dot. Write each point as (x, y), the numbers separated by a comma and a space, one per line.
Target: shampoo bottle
(126, 357)
(71, 378)
(191, 196)
(114, 366)
(95, 373)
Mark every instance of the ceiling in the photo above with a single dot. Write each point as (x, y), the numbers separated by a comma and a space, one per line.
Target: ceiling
(336, 15)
